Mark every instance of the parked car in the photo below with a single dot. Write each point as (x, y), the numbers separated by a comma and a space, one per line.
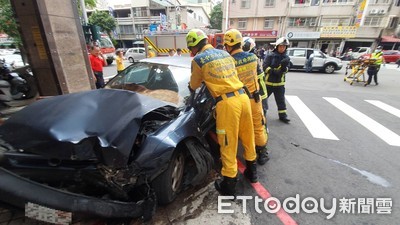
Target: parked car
(110, 153)
(321, 61)
(388, 55)
(359, 51)
(135, 54)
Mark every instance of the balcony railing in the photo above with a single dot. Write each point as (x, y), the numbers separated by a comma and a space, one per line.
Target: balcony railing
(137, 20)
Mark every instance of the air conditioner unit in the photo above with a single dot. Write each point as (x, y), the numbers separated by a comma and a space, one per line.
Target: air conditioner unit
(312, 24)
(381, 12)
(373, 11)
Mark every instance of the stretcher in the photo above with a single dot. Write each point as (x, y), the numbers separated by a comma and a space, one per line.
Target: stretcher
(357, 69)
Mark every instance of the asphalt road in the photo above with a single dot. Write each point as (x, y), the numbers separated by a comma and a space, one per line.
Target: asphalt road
(342, 144)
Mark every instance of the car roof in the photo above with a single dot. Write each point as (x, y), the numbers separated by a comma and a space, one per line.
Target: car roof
(179, 61)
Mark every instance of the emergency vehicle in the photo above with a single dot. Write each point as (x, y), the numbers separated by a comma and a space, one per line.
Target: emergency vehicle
(93, 36)
(163, 41)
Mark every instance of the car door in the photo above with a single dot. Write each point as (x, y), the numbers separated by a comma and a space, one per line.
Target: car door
(319, 59)
(298, 57)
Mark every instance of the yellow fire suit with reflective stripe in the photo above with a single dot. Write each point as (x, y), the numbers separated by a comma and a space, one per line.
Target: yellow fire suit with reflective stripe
(216, 68)
(246, 67)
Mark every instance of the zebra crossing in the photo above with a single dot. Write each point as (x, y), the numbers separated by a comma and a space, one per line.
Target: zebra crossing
(319, 130)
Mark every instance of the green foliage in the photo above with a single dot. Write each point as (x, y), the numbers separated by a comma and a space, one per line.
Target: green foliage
(8, 24)
(216, 17)
(90, 3)
(103, 20)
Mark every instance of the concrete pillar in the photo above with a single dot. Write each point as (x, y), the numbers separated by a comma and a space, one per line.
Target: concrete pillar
(52, 34)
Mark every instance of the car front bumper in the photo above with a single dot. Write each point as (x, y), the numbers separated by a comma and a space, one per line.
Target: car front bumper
(18, 191)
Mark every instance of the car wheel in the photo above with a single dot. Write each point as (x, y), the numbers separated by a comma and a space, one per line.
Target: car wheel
(131, 60)
(330, 68)
(169, 183)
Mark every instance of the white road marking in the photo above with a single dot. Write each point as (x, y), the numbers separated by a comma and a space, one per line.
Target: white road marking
(386, 107)
(316, 127)
(378, 129)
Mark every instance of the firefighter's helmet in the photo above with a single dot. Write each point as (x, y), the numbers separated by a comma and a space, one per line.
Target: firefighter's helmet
(194, 37)
(248, 44)
(281, 41)
(232, 37)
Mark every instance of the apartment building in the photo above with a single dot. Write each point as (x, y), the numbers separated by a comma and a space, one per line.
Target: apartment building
(137, 18)
(330, 25)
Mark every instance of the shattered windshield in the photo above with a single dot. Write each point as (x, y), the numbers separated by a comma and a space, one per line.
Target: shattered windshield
(164, 82)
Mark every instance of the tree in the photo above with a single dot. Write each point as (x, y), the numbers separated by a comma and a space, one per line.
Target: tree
(216, 17)
(103, 20)
(8, 23)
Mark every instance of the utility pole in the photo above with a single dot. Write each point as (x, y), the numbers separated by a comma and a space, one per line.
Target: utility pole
(84, 12)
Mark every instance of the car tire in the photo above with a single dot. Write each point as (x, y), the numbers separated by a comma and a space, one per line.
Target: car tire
(329, 68)
(131, 60)
(168, 184)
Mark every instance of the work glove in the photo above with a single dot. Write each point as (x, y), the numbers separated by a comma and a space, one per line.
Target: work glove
(285, 62)
(190, 89)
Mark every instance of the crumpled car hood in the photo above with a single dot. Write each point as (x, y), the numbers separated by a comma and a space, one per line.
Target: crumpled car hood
(53, 126)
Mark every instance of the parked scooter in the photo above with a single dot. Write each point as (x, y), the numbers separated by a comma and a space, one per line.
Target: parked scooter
(16, 87)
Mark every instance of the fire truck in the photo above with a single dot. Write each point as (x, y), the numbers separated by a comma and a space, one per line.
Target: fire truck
(163, 41)
(93, 36)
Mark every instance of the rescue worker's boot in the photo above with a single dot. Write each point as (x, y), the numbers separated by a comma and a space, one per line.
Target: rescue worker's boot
(262, 154)
(284, 118)
(251, 171)
(226, 186)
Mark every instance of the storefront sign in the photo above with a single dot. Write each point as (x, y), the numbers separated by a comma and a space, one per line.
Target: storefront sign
(338, 32)
(259, 33)
(303, 35)
(360, 13)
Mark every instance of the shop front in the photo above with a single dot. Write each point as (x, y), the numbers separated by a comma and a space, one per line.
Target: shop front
(303, 39)
(261, 37)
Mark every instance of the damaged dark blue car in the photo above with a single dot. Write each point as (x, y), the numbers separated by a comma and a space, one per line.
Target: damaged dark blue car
(110, 153)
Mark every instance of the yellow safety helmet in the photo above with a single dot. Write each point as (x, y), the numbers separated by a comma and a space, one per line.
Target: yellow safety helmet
(194, 37)
(149, 47)
(232, 37)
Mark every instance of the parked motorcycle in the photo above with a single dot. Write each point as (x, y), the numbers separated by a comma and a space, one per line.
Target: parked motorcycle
(17, 87)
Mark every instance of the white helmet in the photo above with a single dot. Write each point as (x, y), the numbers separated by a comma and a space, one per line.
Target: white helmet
(281, 41)
(248, 44)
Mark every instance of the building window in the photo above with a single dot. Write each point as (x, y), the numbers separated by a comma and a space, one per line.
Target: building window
(372, 21)
(394, 21)
(301, 2)
(139, 12)
(338, 2)
(269, 3)
(242, 24)
(194, 15)
(268, 23)
(335, 22)
(302, 21)
(376, 2)
(140, 28)
(245, 4)
(231, 22)
(125, 29)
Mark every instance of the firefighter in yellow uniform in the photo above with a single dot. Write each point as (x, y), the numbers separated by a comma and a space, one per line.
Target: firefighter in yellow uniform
(246, 67)
(216, 68)
(150, 52)
(248, 45)
(374, 68)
